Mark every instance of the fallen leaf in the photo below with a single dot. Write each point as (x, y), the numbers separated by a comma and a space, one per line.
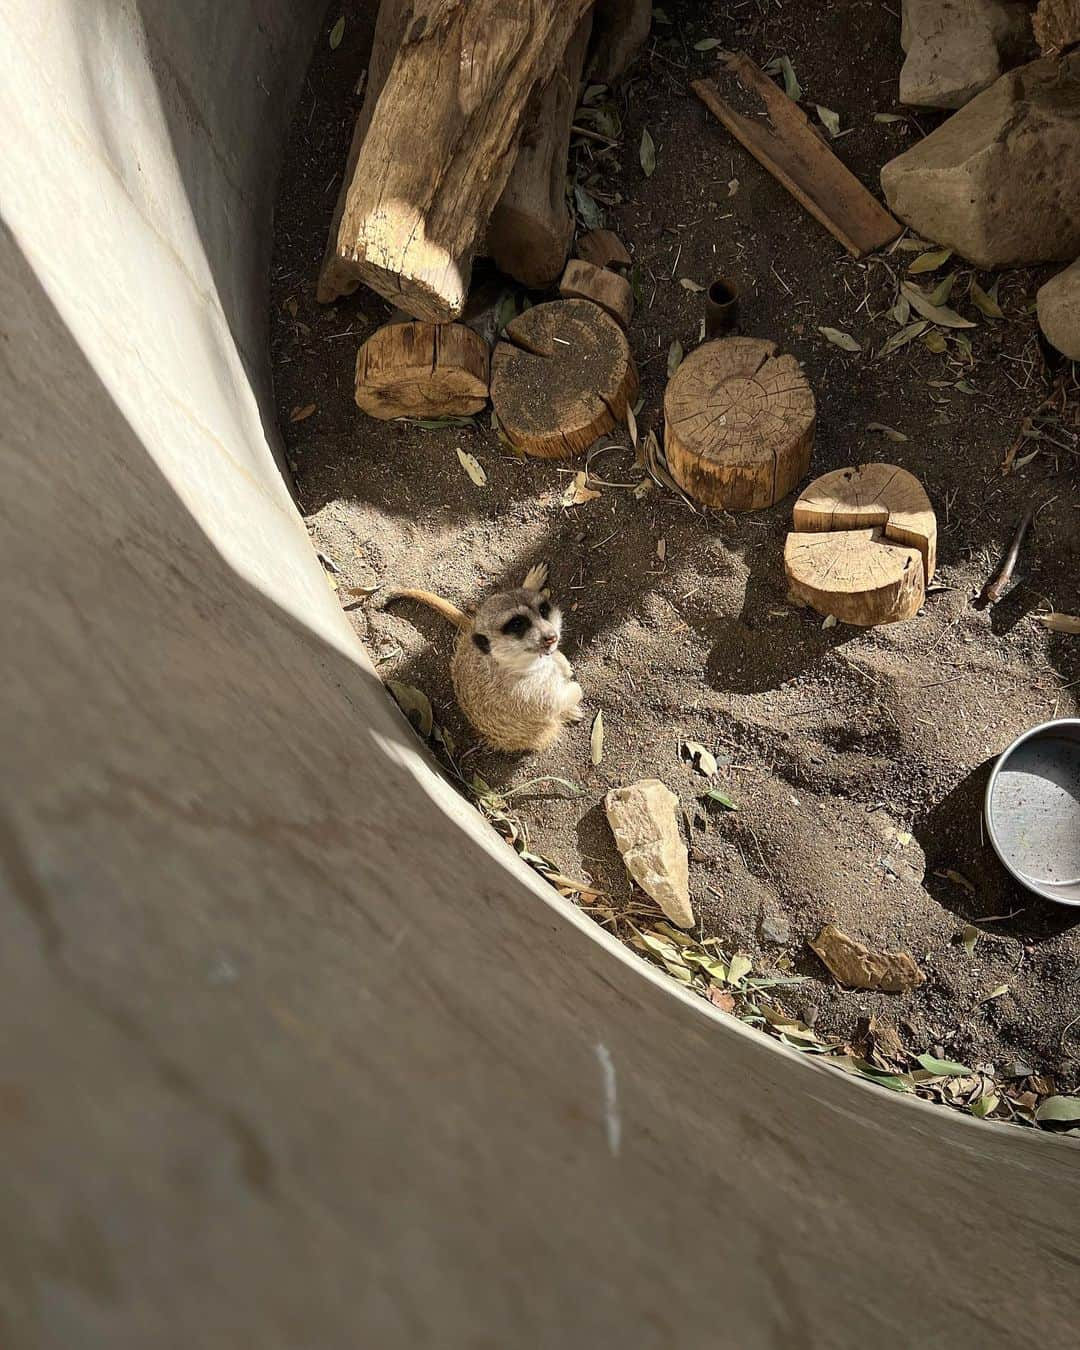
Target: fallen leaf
(587, 209)
(939, 314)
(861, 967)
(829, 621)
(890, 432)
(738, 967)
(337, 33)
(829, 119)
(934, 342)
(291, 306)
(930, 262)
(969, 935)
(659, 15)
(986, 1103)
(840, 339)
(706, 44)
(472, 467)
(578, 492)
(943, 289)
(997, 992)
(958, 879)
(720, 998)
(904, 336)
(702, 759)
(689, 285)
(1060, 623)
(986, 304)
(720, 798)
(647, 154)
(901, 311)
(661, 549)
(596, 738)
(415, 704)
(889, 117)
(299, 414)
(674, 357)
(945, 1068)
(1058, 1108)
(781, 65)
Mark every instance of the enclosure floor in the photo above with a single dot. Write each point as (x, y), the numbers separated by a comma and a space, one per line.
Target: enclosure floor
(857, 759)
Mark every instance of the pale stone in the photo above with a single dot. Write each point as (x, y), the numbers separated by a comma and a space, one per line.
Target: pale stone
(957, 48)
(998, 182)
(644, 820)
(1059, 311)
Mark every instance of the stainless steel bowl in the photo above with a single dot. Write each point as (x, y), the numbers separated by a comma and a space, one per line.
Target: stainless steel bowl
(1033, 810)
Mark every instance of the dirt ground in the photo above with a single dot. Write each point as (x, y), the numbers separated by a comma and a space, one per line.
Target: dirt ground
(857, 759)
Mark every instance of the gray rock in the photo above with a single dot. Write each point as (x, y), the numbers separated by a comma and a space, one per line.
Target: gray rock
(774, 929)
(998, 181)
(1059, 311)
(644, 820)
(957, 48)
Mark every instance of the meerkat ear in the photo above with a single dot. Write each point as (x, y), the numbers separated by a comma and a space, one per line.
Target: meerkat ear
(483, 643)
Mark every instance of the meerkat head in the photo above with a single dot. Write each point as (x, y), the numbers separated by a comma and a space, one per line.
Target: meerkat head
(518, 629)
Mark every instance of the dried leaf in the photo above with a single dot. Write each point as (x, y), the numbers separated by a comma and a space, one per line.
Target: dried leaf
(969, 935)
(986, 304)
(829, 120)
(1060, 623)
(415, 704)
(947, 318)
(997, 992)
(958, 879)
(889, 117)
(861, 967)
(596, 738)
(647, 154)
(782, 66)
(702, 759)
(591, 215)
(689, 285)
(986, 1103)
(901, 311)
(337, 33)
(944, 1068)
(299, 414)
(738, 967)
(890, 432)
(472, 467)
(934, 342)
(903, 337)
(720, 798)
(943, 289)
(829, 621)
(720, 998)
(706, 44)
(840, 339)
(674, 357)
(579, 492)
(930, 262)
(1058, 1109)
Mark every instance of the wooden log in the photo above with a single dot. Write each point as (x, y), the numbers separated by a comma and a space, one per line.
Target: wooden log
(422, 370)
(531, 228)
(562, 376)
(603, 248)
(864, 545)
(619, 29)
(613, 293)
(439, 147)
(738, 424)
(872, 495)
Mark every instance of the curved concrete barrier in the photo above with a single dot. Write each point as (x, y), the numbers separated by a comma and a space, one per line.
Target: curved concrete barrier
(293, 1054)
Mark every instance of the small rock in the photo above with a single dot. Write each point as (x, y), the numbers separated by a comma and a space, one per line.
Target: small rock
(957, 48)
(1059, 311)
(1056, 24)
(860, 967)
(810, 1012)
(997, 182)
(774, 929)
(645, 822)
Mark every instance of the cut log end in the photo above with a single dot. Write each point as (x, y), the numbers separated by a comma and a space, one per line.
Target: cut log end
(562, 376)
(739, 424)
(857, 575)
(422, 370)
(613, 293)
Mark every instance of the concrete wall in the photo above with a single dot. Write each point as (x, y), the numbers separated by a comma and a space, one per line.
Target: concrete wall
(291, 1053)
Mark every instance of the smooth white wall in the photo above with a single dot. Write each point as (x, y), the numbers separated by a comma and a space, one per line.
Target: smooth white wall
(291, 1053)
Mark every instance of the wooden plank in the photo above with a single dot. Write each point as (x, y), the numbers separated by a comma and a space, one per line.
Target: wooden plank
(796, 156)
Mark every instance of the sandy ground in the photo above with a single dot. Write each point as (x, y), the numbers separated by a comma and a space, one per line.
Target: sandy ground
(857, 759)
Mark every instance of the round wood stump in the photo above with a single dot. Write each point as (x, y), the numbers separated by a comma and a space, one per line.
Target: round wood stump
(422, 370)
(561, 376)
(864, 545)
(738, 424)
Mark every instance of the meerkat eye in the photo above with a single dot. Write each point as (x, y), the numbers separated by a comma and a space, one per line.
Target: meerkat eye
(518, 626)
(544, 609)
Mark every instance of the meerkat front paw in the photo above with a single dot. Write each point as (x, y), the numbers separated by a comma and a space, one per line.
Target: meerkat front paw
(572, 709)
(536, 578)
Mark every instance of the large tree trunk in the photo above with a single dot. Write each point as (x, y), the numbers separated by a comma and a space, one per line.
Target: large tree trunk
(439, 145)
(619, 29)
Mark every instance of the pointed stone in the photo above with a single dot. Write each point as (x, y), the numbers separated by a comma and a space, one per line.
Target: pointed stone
(644, 820)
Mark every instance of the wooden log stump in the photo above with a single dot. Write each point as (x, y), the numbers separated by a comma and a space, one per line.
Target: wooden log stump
(422, 370)
(613, 293)
(738, 424)
(619, 29)
(864, 545)
(531, 228)
(562, 376)
(603, 248)
(439, 147)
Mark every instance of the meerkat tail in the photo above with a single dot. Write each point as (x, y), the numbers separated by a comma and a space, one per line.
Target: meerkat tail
(435, 602)
(536, 578)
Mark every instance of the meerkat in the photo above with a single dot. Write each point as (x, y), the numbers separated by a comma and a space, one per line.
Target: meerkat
(510, 678)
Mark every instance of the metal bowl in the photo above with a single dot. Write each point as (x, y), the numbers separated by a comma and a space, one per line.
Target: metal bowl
(1033, 810)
